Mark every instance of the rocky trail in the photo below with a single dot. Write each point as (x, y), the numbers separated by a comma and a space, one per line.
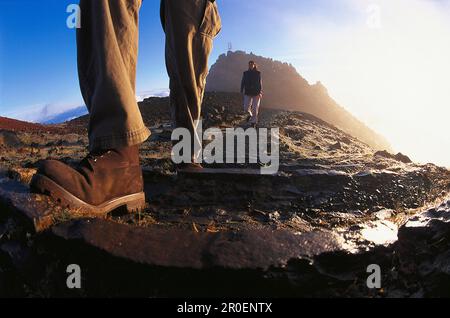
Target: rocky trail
(335, 207)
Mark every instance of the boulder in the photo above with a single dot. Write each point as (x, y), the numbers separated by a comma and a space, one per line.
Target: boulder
(38, 212)
(257, 249)
(423, 250)
(398, 157)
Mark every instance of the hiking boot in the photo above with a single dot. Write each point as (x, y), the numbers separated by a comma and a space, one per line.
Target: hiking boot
(101, 183)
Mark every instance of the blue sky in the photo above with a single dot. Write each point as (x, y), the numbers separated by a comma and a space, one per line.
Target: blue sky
(38, 51)
(386, 61)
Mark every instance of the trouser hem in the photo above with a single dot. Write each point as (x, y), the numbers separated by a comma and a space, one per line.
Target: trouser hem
(115, 141)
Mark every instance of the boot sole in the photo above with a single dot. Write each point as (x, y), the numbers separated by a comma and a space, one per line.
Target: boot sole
(133, 203)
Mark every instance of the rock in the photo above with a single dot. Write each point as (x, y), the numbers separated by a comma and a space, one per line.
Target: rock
(124, 260)
(3, 230)
(275, 216)
(424, 250)
(346, 140)
(17, 253)
(384, 214)
(37, 211)
(336, 146)
(222, 173)
(174, 248)
(23, 175)
(402, 158)
(398, 157)
(9, 139)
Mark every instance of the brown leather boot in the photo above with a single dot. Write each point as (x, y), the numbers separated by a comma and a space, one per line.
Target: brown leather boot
(103, 182)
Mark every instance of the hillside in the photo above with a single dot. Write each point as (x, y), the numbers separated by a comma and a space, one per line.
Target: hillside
(335, 206)
(10, 124)
(285, 88)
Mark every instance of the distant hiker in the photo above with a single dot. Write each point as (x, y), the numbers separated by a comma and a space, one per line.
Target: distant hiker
(111, 176)
(251, 87)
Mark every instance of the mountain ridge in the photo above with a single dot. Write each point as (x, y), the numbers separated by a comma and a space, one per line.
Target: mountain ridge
(286, 89)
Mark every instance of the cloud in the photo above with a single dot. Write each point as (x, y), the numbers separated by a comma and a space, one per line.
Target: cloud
(162, 92)
(40, 113)
(60, 112)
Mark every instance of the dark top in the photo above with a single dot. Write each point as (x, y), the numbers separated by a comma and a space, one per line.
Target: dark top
(251, 83)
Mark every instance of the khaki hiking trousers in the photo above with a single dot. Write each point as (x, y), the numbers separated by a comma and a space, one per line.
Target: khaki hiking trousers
(107, 45)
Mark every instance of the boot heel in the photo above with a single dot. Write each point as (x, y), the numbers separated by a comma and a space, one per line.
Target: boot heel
(136, 206)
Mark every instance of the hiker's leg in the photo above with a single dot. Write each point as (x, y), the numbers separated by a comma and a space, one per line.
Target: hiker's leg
(172, 102)
(255, 109)
(190, 27)
(111, 176)
(248, 104)
(107, 55)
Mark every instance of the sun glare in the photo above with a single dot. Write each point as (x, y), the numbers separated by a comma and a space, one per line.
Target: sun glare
(393, 73)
